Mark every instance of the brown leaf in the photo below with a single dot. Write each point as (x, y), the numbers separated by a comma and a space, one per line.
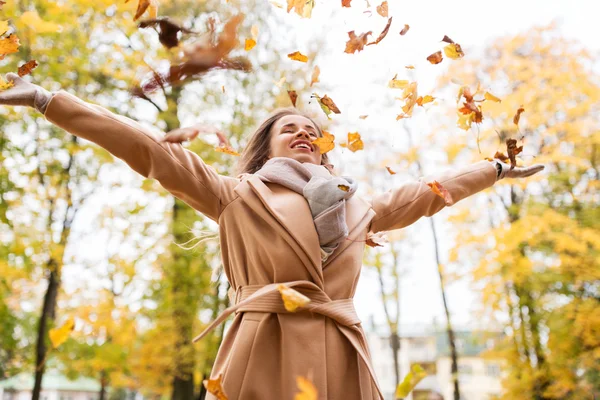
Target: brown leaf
(405, 29)
(356, 43)
(326, 100)
(435, 58)
(517, 116)
(297, 56)
(447, 39)
(383, 33)
(26, 68)
(441, 191)
(390, 170)
(168, 30)
(512, 150)
(293, 96)
(382, 9)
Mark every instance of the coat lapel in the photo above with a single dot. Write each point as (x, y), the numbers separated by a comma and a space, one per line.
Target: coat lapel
(290, 210)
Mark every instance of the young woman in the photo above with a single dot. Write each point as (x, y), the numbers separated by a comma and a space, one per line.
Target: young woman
(284, 219)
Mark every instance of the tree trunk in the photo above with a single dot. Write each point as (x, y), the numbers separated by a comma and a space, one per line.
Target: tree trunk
(103, 384)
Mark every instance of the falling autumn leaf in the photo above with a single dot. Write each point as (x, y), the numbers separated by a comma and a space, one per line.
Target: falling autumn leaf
(500, 156)
(327, 105)
(26, 68)
(512, 150)
(383, 33)
(390, 170)
(292, 299)
(227, 150)
(249, 44)
(9, 45)
(308, 391)
(453, 51)
(409, 67)
(325, 143)
(293, 96)
(382, 9)
(168, 30)
(398, 83)
(143, 6)
(447, 39)
(405, 29)
(424, 100)
(297, 56)
(346, 3)
(416, 375)
(213, 386)
(363, 116)
(355, 142)
(376, 239)
(517, 116)
(491, 97)
(302, 7)
(315, 75)
(435, 58)
(59, 335)
(356, 43)
(441, 191)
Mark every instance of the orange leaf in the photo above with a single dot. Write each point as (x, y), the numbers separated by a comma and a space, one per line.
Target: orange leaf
(425, 100)
(315, 75)
(356, 43)
(435, 58)
(9, 45)
(26, 68)
(346, 3)
(355, 143)
(383, 33)
(325, 143)
(441, 191)
(517, 116)
(227, 150)
(297, 56)
(382, 9)
(249, 45)
(292, 299)
(213, 386)
(390, 170)
(308, 391)
(293, 96)
(405, 29)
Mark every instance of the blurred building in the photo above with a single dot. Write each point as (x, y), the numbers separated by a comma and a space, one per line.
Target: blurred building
(479, 377)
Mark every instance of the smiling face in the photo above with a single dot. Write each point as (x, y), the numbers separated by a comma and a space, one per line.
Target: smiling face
(291, 136)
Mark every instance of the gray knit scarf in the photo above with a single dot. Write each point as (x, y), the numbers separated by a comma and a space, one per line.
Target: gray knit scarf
(326, 196)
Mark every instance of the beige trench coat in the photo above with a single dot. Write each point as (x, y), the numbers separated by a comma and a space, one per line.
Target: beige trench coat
(268, 236)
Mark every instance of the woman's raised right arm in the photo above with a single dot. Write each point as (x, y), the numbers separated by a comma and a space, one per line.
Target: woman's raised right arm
(177, 169)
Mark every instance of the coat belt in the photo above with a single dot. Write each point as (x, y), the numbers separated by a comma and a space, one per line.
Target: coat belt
(267, 299)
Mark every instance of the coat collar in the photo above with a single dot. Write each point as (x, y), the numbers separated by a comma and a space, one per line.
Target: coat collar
(289, 212)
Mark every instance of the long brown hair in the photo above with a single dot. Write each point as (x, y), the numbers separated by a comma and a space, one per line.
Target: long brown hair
(257, 151)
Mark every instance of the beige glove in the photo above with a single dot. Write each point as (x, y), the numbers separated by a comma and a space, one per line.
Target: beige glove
(505, 171)
(24, 93)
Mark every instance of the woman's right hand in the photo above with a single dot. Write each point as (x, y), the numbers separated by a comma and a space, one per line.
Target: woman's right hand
(24, 93)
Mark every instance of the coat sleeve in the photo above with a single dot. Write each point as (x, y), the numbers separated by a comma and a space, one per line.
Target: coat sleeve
(404, 205)
(177, 169)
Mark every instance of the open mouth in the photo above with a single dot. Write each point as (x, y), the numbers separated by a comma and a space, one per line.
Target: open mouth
(302, 145)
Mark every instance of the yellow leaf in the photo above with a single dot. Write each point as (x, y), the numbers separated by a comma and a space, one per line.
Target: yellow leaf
(453, 51)
(355, 143)
(59, 335)
(4, 85)
(292, 299)
(307, 389)
(397, 83)
(465, 120)
(411, 380)
(325, 143)
(9, 45)
(250, 43)
(213, 386)
(227, 150)
(297, 56)
(344, 188)
(491, 97)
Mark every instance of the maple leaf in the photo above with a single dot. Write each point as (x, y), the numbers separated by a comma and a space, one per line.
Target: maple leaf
(435, 58)
(307, 389)
(465, 120)
(382, 9)
(325, 143)
(59, 335)
(383, 33)
(441, 191)
(302, 7)
(491, 97)
(26, 68)
(346, 3)
(376, 239)
(356, 43)
(5, 85)
(293, 96)
(297, 56)
(512, 150)
(168, 30)
(453, 51)
(249, 44)
(416, 374)
(405, 29)
(315, 75)
(390, 170)
(292, 299)
(9, 45)
(213, 386)
(355, 143)
(517, 116)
